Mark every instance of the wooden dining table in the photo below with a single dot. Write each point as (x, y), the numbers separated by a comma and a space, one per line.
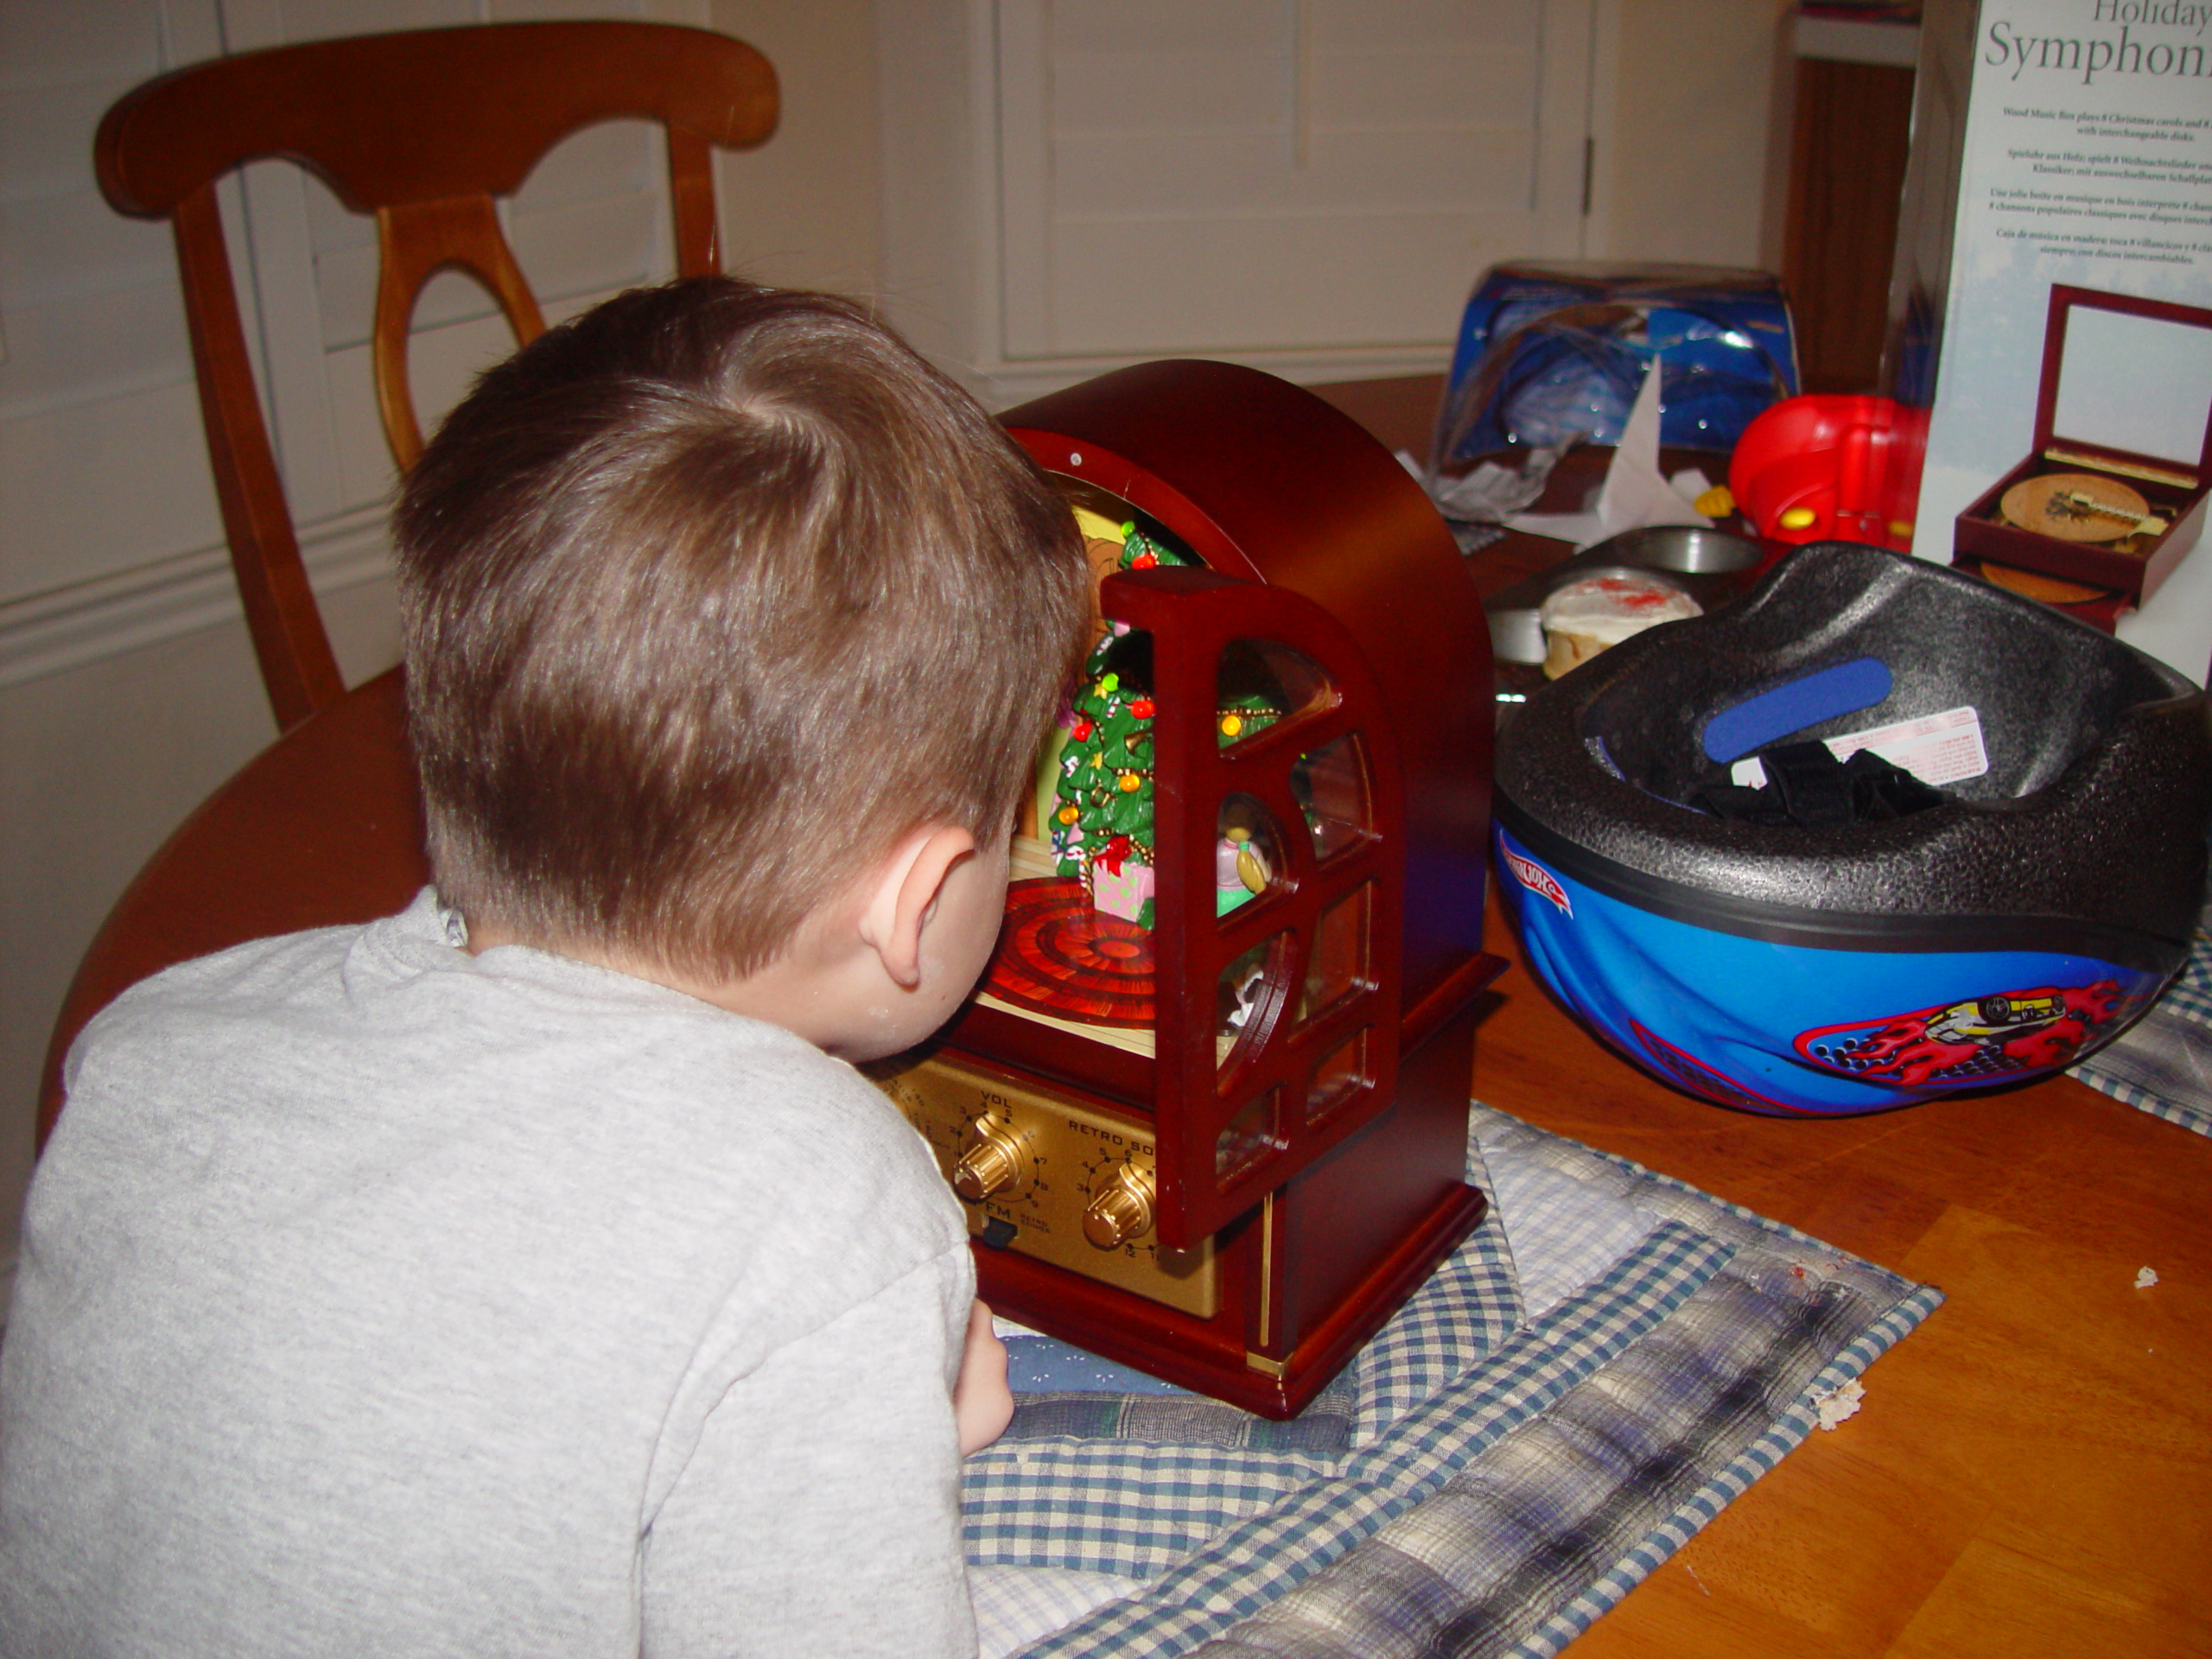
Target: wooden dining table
(2032, 1470)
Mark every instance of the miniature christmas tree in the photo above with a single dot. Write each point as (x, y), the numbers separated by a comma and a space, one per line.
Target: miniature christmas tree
(1102, 823)
(1101, 815)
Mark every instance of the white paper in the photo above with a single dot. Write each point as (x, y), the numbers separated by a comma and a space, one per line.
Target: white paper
(1635, 493)
(1937, 749)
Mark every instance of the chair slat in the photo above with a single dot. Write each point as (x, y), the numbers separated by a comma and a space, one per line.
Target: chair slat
(415, 240)
(297, 666)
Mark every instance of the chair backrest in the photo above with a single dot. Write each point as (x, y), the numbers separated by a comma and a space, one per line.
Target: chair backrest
(424, 129)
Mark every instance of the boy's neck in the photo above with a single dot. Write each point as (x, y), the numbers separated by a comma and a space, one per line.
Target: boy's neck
(792, 991)
(872, 971)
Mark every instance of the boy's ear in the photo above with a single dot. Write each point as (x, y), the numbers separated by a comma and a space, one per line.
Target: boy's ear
(905, 890)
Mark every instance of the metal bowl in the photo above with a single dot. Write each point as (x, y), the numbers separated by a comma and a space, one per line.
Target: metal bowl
(1688, 549)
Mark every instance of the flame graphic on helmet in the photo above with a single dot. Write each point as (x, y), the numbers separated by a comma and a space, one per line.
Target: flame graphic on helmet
(1983, 1038)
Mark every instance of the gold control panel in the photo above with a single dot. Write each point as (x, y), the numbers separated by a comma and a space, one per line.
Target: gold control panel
(1054, 1179)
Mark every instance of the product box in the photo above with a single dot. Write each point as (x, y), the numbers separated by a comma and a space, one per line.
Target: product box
(1554, 351)
(2112, 492)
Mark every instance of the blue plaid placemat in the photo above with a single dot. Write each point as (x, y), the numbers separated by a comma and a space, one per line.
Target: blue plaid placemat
(2163, 1063)
(1610, 1359)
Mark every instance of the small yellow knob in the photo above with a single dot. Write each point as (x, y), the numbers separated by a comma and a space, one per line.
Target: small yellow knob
(1121, 1211)
(993, 1166)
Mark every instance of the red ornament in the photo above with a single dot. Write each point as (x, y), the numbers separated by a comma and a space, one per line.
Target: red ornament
(1082, 730)
(1141, 708)
(1144, 561)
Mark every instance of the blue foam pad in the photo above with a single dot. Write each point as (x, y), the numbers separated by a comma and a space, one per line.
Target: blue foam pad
(1750, 725)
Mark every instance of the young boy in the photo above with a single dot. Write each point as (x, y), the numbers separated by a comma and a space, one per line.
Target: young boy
(531, 1272)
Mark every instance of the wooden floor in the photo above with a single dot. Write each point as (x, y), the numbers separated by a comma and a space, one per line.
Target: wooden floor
(2032, 1470)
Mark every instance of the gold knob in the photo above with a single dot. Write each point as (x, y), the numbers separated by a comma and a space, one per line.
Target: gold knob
(992, 1166)
(1122, 1211)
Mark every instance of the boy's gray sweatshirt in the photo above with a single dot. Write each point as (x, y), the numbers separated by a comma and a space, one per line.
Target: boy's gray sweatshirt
(377, 1300)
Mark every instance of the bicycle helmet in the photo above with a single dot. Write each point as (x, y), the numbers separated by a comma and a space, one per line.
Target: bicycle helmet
(1882, 948)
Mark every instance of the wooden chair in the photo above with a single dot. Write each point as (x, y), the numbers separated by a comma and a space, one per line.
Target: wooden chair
(424, 129)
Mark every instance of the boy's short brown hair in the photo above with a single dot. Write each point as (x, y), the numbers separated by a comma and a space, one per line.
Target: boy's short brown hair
(709, 598)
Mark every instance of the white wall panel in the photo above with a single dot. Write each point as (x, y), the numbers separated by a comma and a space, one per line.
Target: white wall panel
(597, 243)
(1371, 281)
(104, 487)
(88, 348)
(1271, 176)
(319, 20)
(54, 247)
(43, 132)
(46, 44)
(96, 350)
(1353, 172)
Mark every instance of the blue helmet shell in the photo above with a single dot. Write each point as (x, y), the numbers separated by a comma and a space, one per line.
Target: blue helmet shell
(1836, 971)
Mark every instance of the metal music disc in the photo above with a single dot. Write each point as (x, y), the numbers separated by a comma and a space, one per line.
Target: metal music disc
(2036, 585)
(2075, 506)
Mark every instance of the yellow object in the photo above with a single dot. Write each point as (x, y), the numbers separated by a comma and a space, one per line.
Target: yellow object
(1232, 724)
(1129, 780)
(1716, 503)
(1067, 815)
(1798, 517)
(1097, 529)
(1900, 529)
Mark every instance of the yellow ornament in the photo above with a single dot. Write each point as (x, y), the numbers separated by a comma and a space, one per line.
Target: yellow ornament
(1097, 528)
(1251, 871)
(1129, 780)
(1232, 724)
(1067, 815)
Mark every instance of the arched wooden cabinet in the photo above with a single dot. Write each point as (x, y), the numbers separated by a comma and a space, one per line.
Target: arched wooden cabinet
(1231, 1170)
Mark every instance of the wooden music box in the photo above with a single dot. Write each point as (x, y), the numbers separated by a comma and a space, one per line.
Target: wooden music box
(1207, 1111)
(2113, 493)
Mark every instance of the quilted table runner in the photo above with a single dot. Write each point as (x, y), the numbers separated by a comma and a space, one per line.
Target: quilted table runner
(1611, 1358)
(2163, 1063)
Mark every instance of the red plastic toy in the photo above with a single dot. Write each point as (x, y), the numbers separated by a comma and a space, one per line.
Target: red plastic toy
(1823, 468)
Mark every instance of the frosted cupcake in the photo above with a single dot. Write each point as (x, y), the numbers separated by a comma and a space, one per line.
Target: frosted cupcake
(1583, 618)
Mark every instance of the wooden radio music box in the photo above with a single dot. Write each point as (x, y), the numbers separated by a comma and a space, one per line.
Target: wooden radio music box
(2112, 494)
(1208, 1110)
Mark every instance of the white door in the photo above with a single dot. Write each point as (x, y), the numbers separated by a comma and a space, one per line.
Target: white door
(1251, 177)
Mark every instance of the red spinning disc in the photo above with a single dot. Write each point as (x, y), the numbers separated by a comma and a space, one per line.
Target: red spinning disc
(1058, 956)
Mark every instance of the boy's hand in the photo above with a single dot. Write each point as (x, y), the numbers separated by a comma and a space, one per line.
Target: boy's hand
(983, 1405)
